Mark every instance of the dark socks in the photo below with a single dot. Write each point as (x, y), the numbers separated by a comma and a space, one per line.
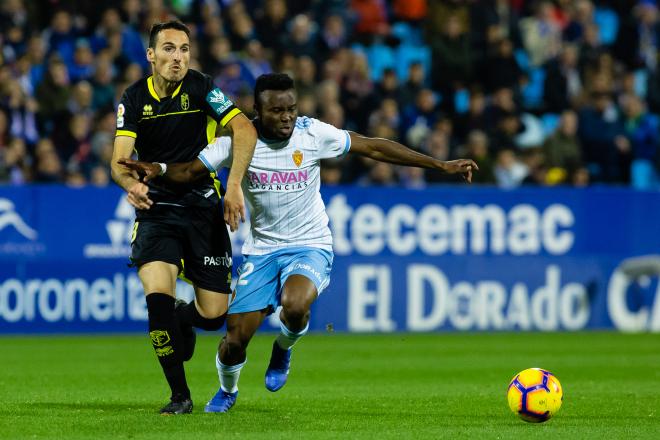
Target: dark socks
(167, 341)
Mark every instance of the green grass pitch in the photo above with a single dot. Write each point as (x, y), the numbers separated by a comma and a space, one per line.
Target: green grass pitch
(421, 386)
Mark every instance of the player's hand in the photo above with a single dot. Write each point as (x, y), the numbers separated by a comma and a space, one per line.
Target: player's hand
(147, 169)
(462, 166)
(138, 196)
(234, 207)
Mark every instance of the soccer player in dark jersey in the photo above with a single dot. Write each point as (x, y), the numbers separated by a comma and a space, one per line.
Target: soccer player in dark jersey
(179, 229)
(288, 253)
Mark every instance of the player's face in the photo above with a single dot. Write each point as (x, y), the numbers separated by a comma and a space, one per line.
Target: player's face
(171, 56)
(278, 111)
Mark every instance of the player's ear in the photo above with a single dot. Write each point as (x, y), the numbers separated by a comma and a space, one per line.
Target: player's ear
(150, 54)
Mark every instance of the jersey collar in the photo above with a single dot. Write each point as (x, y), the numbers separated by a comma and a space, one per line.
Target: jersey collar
(152, 90)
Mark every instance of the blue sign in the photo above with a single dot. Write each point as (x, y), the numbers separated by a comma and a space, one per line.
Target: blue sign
(440, 259)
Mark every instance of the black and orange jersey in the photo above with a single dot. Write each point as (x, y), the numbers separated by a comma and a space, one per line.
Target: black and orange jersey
(174, 129)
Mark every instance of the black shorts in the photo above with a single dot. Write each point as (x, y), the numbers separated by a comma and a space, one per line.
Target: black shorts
(194, 239)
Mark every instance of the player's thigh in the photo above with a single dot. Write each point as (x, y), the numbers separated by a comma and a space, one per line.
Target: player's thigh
(158, 276)
(257, 286)
(298, 293)
(207, 254)
(305, 274)
(211, 304)
(156, 241)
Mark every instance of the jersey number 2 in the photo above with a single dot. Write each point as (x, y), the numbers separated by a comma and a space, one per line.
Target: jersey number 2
(246, 270)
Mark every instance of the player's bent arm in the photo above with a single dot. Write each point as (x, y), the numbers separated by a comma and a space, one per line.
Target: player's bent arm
(123, 149)
(186, 172)
(244, 139)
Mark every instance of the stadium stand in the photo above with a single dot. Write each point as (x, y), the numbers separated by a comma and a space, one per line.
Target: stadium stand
(425, 72)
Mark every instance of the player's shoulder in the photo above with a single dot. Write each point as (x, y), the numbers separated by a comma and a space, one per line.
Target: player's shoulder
(137, 89)
(314, 127)
(196, 77)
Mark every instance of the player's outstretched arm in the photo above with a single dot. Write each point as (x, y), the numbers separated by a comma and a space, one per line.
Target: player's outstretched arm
(385, 150)
(126, 177)
(177, 172)
(244, 139)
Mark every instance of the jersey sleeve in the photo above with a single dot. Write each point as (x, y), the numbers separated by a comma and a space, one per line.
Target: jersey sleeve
(216, 104)
(330, 141)
(217, 154)
(126, 117)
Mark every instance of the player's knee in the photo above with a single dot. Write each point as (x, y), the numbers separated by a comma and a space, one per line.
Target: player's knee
(234, 347)
(212, 324)
(295, 311)
(214, 310)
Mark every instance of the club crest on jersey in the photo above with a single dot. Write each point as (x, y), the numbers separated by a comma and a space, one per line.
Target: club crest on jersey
(147, 110)
(297, 158)
(185, 101)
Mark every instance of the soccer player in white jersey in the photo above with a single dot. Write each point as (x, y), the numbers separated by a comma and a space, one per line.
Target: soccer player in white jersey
(288, 253)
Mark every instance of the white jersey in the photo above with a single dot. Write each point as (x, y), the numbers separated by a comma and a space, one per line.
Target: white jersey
(282, 186)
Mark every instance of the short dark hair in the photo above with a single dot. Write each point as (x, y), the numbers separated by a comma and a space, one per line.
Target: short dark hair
(272, 81)
(158, 27)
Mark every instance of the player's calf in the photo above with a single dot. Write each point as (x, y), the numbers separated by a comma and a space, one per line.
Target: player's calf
(277, 372)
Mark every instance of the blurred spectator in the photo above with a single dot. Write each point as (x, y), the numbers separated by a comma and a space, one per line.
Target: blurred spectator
(413, 11)
(502, 67)
(254, 62)
(582, 15)
(271, 23)
(305, 76)
(475, 118)
(562, 149)
(15, 163)
(418, 119)
(493, 20)
(415, 82)
(562, 82)
(53, 94)
(82, 67)
(476, 149)
(48, 167)
(357, 93)
(509, 171)
(637, 40)
(541, 35)
(61, 36)
(601, 133)
(371, 18)
(452, 58)
(301, 39)
(643, 132)
(334, 35)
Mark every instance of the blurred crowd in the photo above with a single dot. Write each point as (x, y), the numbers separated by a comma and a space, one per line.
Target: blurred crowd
(562, 92)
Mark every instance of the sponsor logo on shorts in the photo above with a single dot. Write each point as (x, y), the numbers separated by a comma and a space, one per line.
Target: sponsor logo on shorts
(307, 268)
(225, 261)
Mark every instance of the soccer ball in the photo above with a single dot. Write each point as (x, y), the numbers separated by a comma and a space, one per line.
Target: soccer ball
(535, 395)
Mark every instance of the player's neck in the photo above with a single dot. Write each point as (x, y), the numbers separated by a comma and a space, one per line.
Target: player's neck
(164, 87)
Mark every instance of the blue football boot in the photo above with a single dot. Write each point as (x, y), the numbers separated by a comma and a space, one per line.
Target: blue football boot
(221, 402)
(278, 368)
